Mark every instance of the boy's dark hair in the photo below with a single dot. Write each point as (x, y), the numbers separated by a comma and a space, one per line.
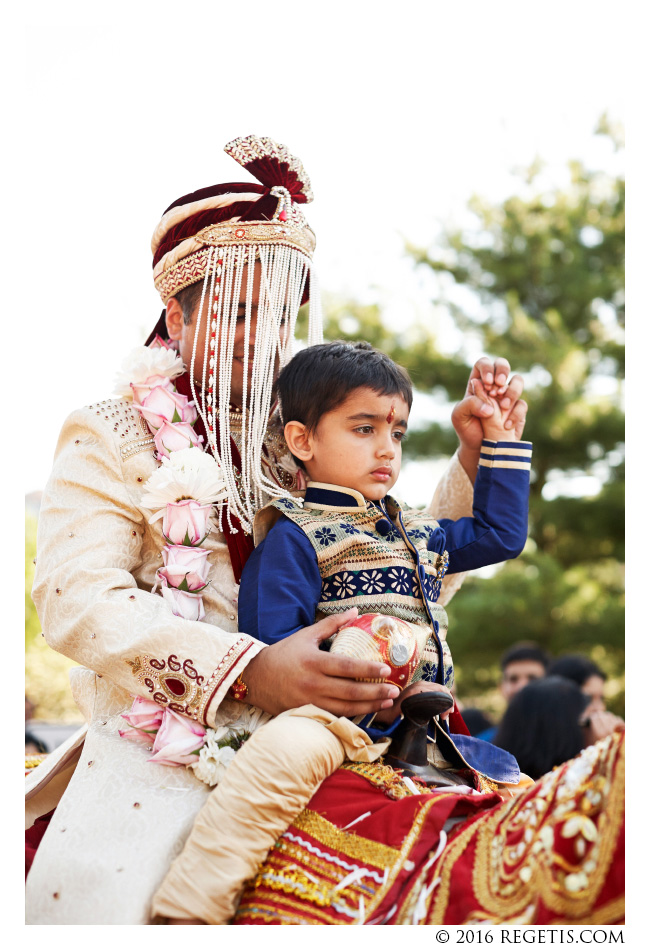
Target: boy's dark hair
(320, 378)
(526, 650)
(576, 667)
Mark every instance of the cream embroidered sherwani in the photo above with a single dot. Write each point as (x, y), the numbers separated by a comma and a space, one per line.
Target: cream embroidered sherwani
(120, 820)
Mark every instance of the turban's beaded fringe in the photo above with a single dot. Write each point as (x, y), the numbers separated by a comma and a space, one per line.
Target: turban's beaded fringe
(283, 275)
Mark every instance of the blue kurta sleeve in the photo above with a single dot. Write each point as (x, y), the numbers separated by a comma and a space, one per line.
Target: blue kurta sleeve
(280, 585)
(499, 526)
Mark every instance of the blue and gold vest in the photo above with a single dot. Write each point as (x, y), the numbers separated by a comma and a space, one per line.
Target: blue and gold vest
(377, 557)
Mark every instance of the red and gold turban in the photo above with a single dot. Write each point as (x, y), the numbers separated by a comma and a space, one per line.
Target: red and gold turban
(207, 237)
(235, 213)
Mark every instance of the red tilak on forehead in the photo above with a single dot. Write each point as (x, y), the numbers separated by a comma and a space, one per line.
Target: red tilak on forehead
(391, 415)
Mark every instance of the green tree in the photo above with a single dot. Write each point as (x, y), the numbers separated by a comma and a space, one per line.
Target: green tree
(32, 623)
(46, 672)
(547, 269)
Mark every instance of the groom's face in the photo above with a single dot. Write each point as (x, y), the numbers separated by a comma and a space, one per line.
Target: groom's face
(242, 344)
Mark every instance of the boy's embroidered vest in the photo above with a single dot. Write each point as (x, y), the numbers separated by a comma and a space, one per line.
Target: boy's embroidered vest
(390, 573)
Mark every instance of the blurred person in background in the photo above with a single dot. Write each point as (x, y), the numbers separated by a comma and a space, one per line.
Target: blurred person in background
(478, 723)
(547, 723)
(521, 664)
(583, 671)
(33, 745)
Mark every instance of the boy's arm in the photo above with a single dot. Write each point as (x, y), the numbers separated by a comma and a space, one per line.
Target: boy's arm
(92, 609)
(498, 529)
(499, 526)
(453, 498)
(280, 586)
(279, 594)
(489, 397)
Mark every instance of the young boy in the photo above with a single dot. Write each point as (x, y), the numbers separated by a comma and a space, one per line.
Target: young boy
(346, 544)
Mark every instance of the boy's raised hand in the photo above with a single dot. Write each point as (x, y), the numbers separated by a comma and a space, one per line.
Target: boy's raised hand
(495, 427)
(488, 381)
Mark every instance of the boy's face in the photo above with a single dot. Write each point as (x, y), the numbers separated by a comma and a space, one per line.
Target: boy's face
(359, 444)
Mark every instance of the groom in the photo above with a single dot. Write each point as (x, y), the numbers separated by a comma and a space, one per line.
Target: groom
(233, 264)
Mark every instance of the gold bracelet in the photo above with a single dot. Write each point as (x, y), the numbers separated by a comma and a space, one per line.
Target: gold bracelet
(238, 690)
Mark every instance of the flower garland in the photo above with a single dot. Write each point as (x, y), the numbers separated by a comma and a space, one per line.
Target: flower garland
(187, 484)
(177, 741)
(182, 491)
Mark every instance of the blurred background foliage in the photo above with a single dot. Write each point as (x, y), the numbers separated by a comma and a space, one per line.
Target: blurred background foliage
(537, 279)
(46, 672)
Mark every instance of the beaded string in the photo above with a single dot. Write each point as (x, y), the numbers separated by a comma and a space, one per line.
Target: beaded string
(196, 334)
(274, 264)
(226, 354)
(283, 276)
(244, 450)
(209, 338)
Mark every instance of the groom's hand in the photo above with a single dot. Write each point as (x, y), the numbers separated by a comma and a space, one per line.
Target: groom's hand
(295, 672)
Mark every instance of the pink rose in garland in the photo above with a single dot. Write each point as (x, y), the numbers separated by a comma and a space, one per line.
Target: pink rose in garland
(148, 386)
(165, 405)
(186, 522)
(183, 603)
(159, 343)
(144, 369)
(183, 490)
(174, 436)
(144, 719)
(177, 741)
(185, 568)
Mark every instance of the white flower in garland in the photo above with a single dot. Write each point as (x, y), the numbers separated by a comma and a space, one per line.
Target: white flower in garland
(212, 762)
(249, 719)
(187, 473)
(222, 743)
(144, 363)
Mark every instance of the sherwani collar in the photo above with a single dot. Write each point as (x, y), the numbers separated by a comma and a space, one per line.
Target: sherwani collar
(326, 497)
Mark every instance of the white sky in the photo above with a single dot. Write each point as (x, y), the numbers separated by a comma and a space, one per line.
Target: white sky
(398, 112)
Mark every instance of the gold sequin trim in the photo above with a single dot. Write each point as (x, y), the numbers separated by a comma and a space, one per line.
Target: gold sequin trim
(383, 776)
(249, 148)
(279, 902)
(234, 654)
(170, 682)
(409, 841)
(504, 885)
(346, 842)
(144, 441)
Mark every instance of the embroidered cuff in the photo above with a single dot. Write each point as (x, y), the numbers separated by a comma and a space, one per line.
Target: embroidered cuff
(506, 454)
(226, 674)
(175, 682)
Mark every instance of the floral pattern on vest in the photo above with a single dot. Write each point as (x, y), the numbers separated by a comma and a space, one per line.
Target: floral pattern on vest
(379, 558)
